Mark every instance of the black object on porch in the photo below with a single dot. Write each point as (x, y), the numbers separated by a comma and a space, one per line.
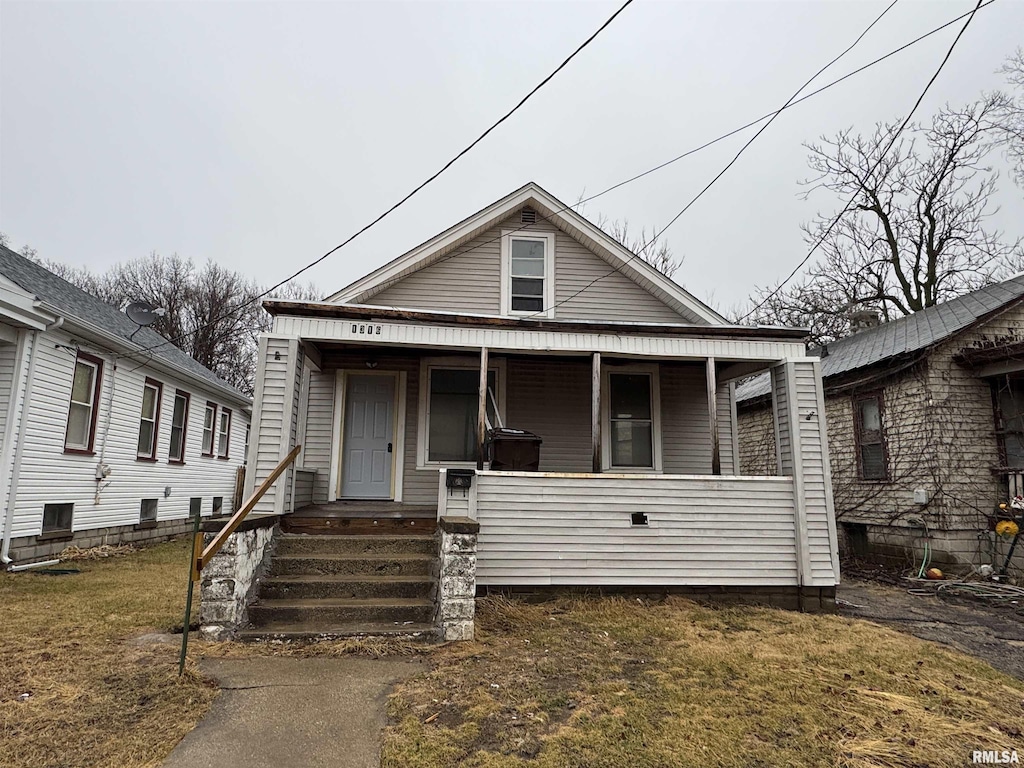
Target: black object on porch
(514, 450)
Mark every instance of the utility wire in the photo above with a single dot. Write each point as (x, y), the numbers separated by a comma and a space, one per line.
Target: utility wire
(434, 176)
(721, 173)
(612, 188)
(702, 147)
(895, 136)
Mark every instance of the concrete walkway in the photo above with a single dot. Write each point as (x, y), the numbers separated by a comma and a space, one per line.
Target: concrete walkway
(299, 713)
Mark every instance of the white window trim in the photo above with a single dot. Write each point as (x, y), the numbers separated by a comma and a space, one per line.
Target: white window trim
(158, 390)
(224, 435)
(606, 421)
(427, 363)
(397, 433)
(213, 431)
(548, 238)
(91, 423)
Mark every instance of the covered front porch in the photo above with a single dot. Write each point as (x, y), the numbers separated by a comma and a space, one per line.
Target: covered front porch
(637, 482)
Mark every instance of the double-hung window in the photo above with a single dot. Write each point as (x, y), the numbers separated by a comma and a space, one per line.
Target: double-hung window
(209, 427)
(872, 463)
(450, 406)
(527, 273)
(632, 419)
(179, 428)
(85, 396)
(224, 433)
(149, 420)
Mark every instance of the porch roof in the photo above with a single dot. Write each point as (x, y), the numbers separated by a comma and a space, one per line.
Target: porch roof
(367, 313)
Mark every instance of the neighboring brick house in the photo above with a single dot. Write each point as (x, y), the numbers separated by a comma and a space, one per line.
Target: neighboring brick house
(925, 420)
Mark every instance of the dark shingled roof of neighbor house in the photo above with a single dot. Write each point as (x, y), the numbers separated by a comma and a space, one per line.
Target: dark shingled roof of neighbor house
(903, 336)
(76, 304)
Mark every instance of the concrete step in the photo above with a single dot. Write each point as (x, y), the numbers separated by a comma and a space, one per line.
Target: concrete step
(351, 565)
(308, 544)
(341, 587)
(341, 612)
(306, 631)
(359, 526)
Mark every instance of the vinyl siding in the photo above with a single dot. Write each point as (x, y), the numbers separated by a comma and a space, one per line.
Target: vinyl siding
(316, 451)
(685, 425)
(48, 475)
(8, 353)
(469, 280)
(275, 415)
(577, 530)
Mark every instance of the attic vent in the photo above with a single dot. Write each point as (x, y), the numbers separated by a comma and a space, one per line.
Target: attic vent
(529, 216)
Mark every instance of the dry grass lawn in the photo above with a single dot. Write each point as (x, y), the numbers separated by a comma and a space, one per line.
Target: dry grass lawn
(616, 683)
(95, 699)
(598, 683)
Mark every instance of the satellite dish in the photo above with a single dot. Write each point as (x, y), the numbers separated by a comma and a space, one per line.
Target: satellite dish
(142, 313)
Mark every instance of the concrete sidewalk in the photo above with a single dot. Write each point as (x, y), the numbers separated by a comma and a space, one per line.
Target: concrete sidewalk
(275, 712)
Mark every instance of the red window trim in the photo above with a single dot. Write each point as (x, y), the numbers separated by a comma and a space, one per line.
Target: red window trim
(98, 362)
(184, 428)
(227, 442)
(151, 457)
(213, 427)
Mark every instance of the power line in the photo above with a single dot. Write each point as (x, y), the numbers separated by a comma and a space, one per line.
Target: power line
(695, 150)
(423, 184)
(849, 204)
(722, 172)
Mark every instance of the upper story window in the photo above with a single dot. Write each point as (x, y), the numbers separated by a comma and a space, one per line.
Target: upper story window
(872, 462)
(179, 428)
(209, 427)
(149, 419)
(224, 434)
(85, 397)
(527, 273)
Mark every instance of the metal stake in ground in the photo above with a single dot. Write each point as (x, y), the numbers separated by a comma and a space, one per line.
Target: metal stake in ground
(192, 578)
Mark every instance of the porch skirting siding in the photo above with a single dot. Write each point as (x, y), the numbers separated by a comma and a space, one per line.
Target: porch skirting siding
(565, 529)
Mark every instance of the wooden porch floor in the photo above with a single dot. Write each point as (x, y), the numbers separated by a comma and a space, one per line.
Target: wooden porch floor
(362, 517)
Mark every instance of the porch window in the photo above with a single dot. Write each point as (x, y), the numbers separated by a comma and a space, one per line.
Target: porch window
(179, 422)
(872, 463)
(85, 396)
(452, 407)
(527, 273)
(149, 420)
(631, 416)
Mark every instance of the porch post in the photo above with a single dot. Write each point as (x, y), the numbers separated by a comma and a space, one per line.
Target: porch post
(481, 434)
(716, 445)
(595, 411)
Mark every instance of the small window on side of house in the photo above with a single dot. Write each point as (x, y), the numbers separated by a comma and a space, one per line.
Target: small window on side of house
(218, 505)
(149, 419)
(147, 511)
(85, 396)
(224, 434)
(872, 462)
(179, 428)
(57, 519)
(209, 428)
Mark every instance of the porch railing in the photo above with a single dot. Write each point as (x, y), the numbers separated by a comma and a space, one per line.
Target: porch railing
(201, 560)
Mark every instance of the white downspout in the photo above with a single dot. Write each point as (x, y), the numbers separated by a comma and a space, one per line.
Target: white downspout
(14, 440)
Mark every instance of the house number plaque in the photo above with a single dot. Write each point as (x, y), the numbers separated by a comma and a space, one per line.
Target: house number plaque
(367, 329)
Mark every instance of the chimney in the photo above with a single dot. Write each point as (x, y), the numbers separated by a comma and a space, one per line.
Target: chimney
(863, 319)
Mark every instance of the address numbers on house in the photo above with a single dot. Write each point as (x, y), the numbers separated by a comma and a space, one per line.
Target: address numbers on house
(367, 329)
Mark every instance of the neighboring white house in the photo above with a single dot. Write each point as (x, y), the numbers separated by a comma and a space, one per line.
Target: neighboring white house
(99, 443)
(626, 377)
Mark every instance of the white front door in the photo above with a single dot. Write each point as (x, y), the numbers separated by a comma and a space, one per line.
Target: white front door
(368, 440)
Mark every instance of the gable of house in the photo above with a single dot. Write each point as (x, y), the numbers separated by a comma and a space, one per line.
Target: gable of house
(587, 275)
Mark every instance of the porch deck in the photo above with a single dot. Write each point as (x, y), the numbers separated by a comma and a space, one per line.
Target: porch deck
(353, 516)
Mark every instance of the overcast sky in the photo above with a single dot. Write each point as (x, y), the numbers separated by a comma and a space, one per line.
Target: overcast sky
(260, 135)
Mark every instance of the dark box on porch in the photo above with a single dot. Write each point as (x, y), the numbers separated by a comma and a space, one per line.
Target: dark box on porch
(513, 450)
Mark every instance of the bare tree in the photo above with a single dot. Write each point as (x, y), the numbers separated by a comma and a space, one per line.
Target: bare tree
(916, 234)
(1008, 123)
(651, 248)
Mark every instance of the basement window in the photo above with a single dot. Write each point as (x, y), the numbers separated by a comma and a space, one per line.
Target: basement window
(218, 505)
(147, 513)
(195, 507)
(57, 520)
